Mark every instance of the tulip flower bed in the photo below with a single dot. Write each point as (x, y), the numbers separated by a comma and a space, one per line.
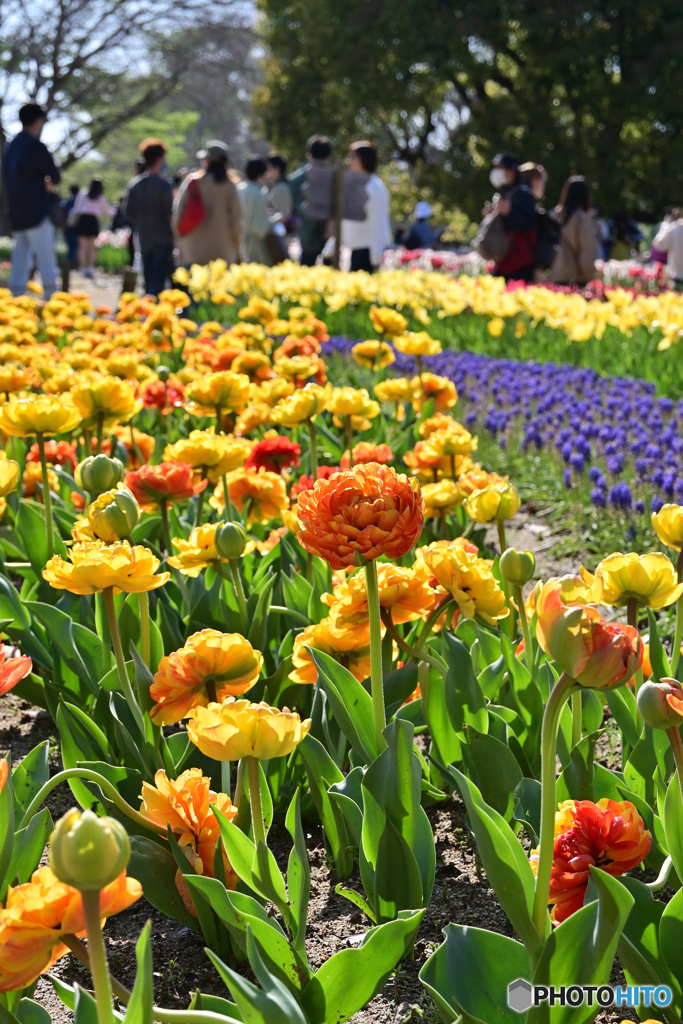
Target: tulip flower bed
(616, 332)
(298, 677)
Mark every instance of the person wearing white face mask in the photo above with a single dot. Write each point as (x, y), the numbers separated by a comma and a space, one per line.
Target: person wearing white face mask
(516, 204)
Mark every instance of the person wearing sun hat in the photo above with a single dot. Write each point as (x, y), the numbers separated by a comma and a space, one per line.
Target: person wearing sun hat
(215, 231)
(421, 234)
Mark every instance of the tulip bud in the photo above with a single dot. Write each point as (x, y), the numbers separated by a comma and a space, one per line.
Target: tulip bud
(113, 515)
(88, 852)
(99, 473)
(163, 373)
(655, 708)
(517, 567)
(230, 540)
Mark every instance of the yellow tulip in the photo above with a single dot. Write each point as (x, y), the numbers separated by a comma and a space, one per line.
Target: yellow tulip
(107, 397)
(468, 578)
(374, 355)
(9, 476)
(96, 566)
(210, 453)
(302, 405)
(396, 389)
(668, 525)
(39, 414)
(238, 728)
(417, 343)
(348, 401)
(650, 580)
(495, 503)
(441, 498)
(224, 390)
(197, 552)
(387, 321)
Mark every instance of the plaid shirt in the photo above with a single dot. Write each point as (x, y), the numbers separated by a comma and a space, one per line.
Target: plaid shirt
(148, 208)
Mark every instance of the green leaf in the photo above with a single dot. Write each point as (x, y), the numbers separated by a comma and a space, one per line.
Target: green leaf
(576, 781)
(30, 525)
(622, 704)
(259, 621)
(671, 935)
(81, 740)
(12, 609)
(505, 862)
(498, 773)
(658, 659)
(155, 868)
(348, 796)
(528, 807)
(470, 972)
(352, 977)
(351, 704)
(435, 708)
(28, 846)
(274, 1006)
(6, 823)
(30, 1012)
(62, 632)
(582, 948)
(322, 773)
(673, 824)
(357, 899)
(29, 777)
(464, 699)
(398, 885)
(85, 1007)
(139, 1010)
(639, 947)
(298, 875)
(267, 879)
(239, 848)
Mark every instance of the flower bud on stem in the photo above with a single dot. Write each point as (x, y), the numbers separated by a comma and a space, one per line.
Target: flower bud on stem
(632, 619)
(47, 500)
(98, 956)
(376, 678)
(526, 632)
(254, 776)
(551, 720)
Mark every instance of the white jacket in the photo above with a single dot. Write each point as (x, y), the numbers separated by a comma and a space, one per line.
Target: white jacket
(373, 233)
(669, 239)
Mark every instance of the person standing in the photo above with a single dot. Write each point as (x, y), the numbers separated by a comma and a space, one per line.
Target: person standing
(421, 234)
(148, 210)
(669, 240)
(578, 249)
(70, 236)
(516, 204)
(368, 238)
(280, 201)
(312, 233)
(257, 225)
(30, 174)
(217, 234)
(90, 205)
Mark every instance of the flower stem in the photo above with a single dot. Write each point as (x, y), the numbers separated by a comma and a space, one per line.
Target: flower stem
(412, 652)
(577, 729)
(239, 782)
(47, 500)
(677, 748)
(255, 798)
(526, 632)
(239, 593)
(200, 502)
(225, 777)
(678, 637)
(107, 788)
(632, 619)
(310, 427)
(98, 956)
(165, 530)
(433, 617)
(229, 513)
(108, 595)
(145, 640)
(349, 440)
(551, 721)
(100, 431)
(376, 679)
(219, 419)
(102, 629)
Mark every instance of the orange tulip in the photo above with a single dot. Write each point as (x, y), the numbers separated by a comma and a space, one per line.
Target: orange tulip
(346, 643)
(366, 451)
(4, 772)
(170, 482)
(12, 671)
(597, 654)
(223, 662)
(367, 511)
(609, 835)
(186, 804)
(266, 493)
(37, 915)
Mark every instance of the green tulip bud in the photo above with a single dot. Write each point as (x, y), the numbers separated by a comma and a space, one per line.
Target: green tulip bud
(163, 373)
(517, 567)
(230, 540)
(655, 709)
(99, 473)
(114, 515)
(88, 852)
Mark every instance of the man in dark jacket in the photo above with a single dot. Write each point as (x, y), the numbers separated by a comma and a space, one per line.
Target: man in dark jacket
(30, 175)
(312, 233)
(147, 208)
(516, 203)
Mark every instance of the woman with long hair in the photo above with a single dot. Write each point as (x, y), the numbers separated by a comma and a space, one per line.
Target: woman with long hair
(90, 205)
(213, 231)
(368, 238)
(578, 249)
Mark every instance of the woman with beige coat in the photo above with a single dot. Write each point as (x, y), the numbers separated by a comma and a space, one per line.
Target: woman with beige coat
(218, 235)
(578, 249)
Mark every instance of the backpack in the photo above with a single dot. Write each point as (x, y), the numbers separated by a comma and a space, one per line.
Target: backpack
(548, 241)
(194, 212)
(493, 240)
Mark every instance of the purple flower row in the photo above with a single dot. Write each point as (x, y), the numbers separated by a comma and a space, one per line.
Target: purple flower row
(586, 418)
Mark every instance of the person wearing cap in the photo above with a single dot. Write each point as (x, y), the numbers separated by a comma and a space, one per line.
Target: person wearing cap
(516, 203)
(218, 235)
(30, 175)
(147, 208)
(421, 234)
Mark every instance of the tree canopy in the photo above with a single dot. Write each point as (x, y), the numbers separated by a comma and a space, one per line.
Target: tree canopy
(582, 87)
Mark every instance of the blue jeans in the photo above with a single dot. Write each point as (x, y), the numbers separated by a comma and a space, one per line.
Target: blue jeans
(38, 242)
(156, 266)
